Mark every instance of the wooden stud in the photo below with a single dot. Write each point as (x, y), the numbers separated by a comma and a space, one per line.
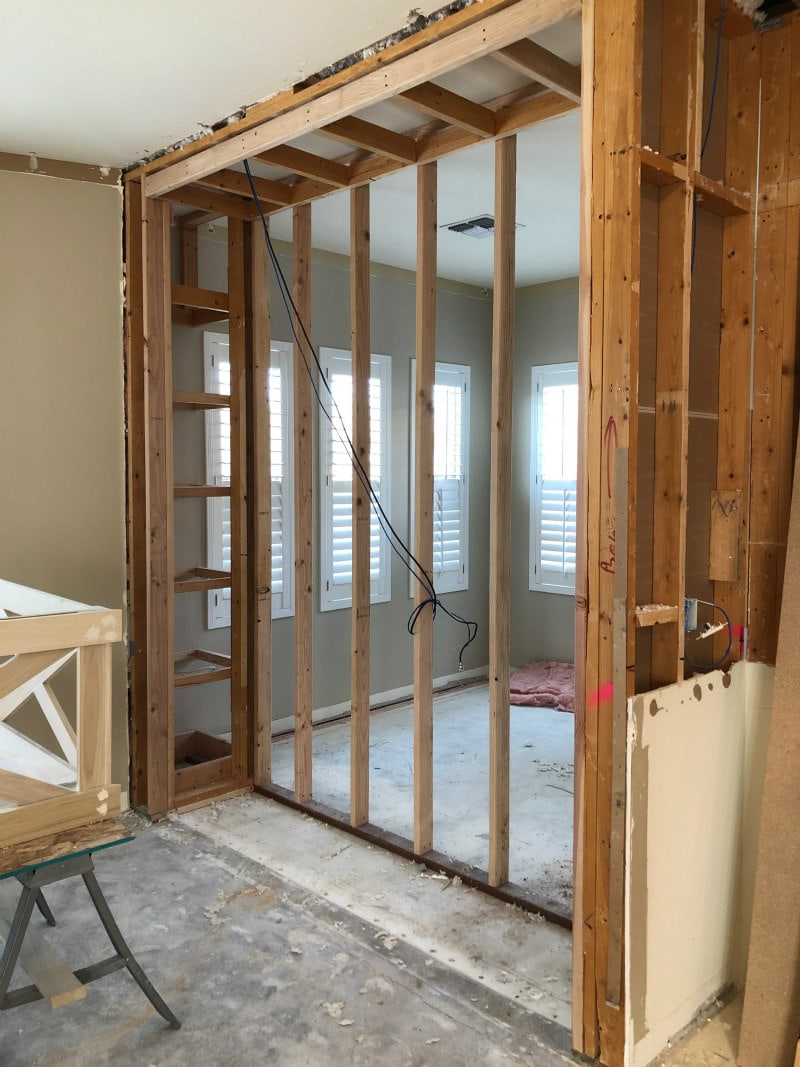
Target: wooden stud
(362, 510)
(542, 66)
(137, 511)
(505, 179)
(423, 503)
(584, 1013)
(613, 370)
(681, 115)
(733, 431)
(774, 352)
(260, 478)
(241, 732)
(303, 509)
(187, 237)
(158, 364)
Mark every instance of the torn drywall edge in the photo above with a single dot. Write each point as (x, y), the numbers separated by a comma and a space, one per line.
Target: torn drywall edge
(416, 22)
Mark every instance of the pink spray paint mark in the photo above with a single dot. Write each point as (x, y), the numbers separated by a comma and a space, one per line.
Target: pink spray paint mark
(600, 696)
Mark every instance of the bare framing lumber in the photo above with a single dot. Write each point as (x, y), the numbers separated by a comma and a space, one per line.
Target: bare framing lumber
(681, 119)
(303, 505)
(158, 356)
(505, 183)
(260, 495)
(423, 503)
(734, 427)
(543, 66)
(241, 747)
(137, 441)
(479, 39)
(584, 1012)
(360, 605)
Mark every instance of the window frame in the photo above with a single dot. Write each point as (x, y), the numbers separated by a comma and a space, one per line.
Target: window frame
(540, 581)
(335, 597)
(455, 582)
(218, 612)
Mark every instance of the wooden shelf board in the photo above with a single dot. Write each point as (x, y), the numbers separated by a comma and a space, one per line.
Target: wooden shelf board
(200, 401)
(199, 299)
(218, 668)
(183, 316)
(655, 614)
(201, 579)
(719, 199)
(201, 490)
(661, 170)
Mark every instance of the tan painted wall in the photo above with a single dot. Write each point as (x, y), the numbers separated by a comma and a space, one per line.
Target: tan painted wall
(696, 777)
(62, 495)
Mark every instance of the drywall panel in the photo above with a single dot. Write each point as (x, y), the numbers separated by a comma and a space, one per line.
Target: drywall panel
(62, 489)
(696, 762)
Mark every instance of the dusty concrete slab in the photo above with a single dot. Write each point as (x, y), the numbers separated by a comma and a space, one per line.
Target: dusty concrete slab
(260, 970)
(503, 948)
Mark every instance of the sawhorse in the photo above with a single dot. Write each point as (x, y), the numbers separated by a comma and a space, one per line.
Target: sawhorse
(44, 869)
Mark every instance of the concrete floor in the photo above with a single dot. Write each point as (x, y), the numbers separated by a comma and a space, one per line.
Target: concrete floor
(541, 768)
(264, 970)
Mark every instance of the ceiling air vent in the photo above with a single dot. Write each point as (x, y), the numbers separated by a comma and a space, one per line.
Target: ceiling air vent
(480, 226)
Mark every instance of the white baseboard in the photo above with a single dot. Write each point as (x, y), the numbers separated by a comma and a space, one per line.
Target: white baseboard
(378, 700)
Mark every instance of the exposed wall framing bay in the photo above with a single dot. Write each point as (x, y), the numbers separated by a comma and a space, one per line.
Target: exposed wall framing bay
(640, 329)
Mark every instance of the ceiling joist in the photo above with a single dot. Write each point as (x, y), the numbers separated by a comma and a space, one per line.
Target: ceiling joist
(482, 38)
(454, 109)
(536, 62)
(214, 205)
(233, 181)
(306, 164)
(377, 139)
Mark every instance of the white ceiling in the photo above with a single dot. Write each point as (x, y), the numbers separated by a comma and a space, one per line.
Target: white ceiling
(548, 173)
(111, 82)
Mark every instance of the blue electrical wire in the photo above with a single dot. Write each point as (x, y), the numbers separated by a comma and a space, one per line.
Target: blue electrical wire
(398, 546)
(706, 667)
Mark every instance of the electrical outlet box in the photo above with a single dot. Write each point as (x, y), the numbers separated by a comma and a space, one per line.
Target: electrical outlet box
(689, 614)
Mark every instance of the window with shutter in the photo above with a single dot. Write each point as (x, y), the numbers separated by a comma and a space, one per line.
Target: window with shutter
(336, 479)
(218, 472)
(450, 476)
(554, 473)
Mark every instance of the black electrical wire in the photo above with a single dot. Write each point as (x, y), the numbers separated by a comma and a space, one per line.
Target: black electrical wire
(398, 546)
(711, 106)
(706, 667)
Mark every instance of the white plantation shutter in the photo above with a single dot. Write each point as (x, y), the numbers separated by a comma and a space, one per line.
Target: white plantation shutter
(218, 472)
(554, 472)
(450, 476)
(336, 518)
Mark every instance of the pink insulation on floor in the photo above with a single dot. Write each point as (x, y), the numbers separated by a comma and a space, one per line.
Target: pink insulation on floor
(546, 684)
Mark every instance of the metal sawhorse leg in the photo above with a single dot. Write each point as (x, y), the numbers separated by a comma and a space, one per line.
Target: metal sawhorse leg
(33, 882)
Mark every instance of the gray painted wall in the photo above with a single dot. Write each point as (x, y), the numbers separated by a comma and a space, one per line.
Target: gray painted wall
(463, 336)
(62, 426)
(542, 624)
